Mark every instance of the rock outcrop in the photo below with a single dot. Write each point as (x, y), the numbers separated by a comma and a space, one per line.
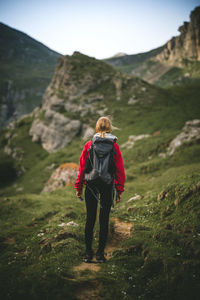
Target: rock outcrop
(171, 64)
(190, 133)
(186, 45)
(132, 139)
(69, 100)
(56, 132)
(64, 175)
(78, 94)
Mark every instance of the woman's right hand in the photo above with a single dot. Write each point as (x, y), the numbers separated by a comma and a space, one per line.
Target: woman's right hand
(119, 197)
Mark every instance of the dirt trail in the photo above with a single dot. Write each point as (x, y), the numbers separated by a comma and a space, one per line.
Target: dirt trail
(119, 231)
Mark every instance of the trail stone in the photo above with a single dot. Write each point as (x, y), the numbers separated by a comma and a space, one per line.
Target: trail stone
(64, 175)
(72, 223)
(134, 198)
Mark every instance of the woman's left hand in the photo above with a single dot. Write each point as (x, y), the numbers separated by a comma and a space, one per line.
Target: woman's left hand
(119, 198)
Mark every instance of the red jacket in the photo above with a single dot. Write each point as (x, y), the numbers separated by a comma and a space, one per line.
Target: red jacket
(119, 174)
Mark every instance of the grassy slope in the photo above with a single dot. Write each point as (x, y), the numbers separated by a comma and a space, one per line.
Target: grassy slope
(161, 259)
(189, 73)
(128, 63)
(141, 64)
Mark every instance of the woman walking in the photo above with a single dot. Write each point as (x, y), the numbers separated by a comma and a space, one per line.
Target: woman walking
(101, 168)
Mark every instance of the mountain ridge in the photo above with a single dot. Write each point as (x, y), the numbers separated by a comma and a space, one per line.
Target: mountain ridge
(177, 61)
(11, 33)
(26, 69)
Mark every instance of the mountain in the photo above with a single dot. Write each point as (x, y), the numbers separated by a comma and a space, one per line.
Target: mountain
(26, 69)
(154, 232)
(82, 89)
(128, 63)
(119, 54)
(175, 62)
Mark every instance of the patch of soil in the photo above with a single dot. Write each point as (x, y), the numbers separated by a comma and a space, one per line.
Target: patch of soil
(93, 267)
(10, 240)
(119, 231)
(89, 291)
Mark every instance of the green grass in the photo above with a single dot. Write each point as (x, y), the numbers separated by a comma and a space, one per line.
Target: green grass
(35, 266)
(160, 256)
(187, 74)
(161, 259)
(130, 62)
(141, 64)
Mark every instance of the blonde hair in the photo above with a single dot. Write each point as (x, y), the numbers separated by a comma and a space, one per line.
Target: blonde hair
(104, 125)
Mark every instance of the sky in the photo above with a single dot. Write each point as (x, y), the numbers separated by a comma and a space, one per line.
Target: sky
(98, 28)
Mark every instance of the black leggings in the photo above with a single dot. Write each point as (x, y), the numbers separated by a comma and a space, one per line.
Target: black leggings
(91, 198)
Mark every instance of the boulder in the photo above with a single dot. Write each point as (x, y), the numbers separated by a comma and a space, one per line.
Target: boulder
(132, 100)
(55, 132)
(65, 175)
(136, 197)
(186, 45)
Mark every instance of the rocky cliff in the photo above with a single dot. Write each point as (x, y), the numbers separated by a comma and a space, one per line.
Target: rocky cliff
(26, 69)
(176, 62)
(186, 46)
(82, 89)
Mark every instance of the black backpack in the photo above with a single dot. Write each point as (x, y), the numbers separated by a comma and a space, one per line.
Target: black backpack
(100, 163)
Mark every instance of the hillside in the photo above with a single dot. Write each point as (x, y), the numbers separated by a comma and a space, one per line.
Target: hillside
(42, 237)
(26, 69)
(176, 62)
(127, 63)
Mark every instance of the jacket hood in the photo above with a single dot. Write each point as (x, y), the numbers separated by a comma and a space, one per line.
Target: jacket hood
(107, 136)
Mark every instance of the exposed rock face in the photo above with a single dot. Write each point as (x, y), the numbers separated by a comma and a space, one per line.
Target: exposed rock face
(190, 132)
(176, 54)
(171, 64)
(73, 79)
(132, 100)
(56, 132)
(186, 45)
(77, 96)
(132, 139)
(68, 99)
(64, 175)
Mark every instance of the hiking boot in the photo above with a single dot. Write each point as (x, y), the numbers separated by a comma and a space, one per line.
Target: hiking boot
(88, 256)
(100, 257)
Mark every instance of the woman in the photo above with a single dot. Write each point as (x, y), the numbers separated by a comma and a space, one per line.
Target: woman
(98, 187)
